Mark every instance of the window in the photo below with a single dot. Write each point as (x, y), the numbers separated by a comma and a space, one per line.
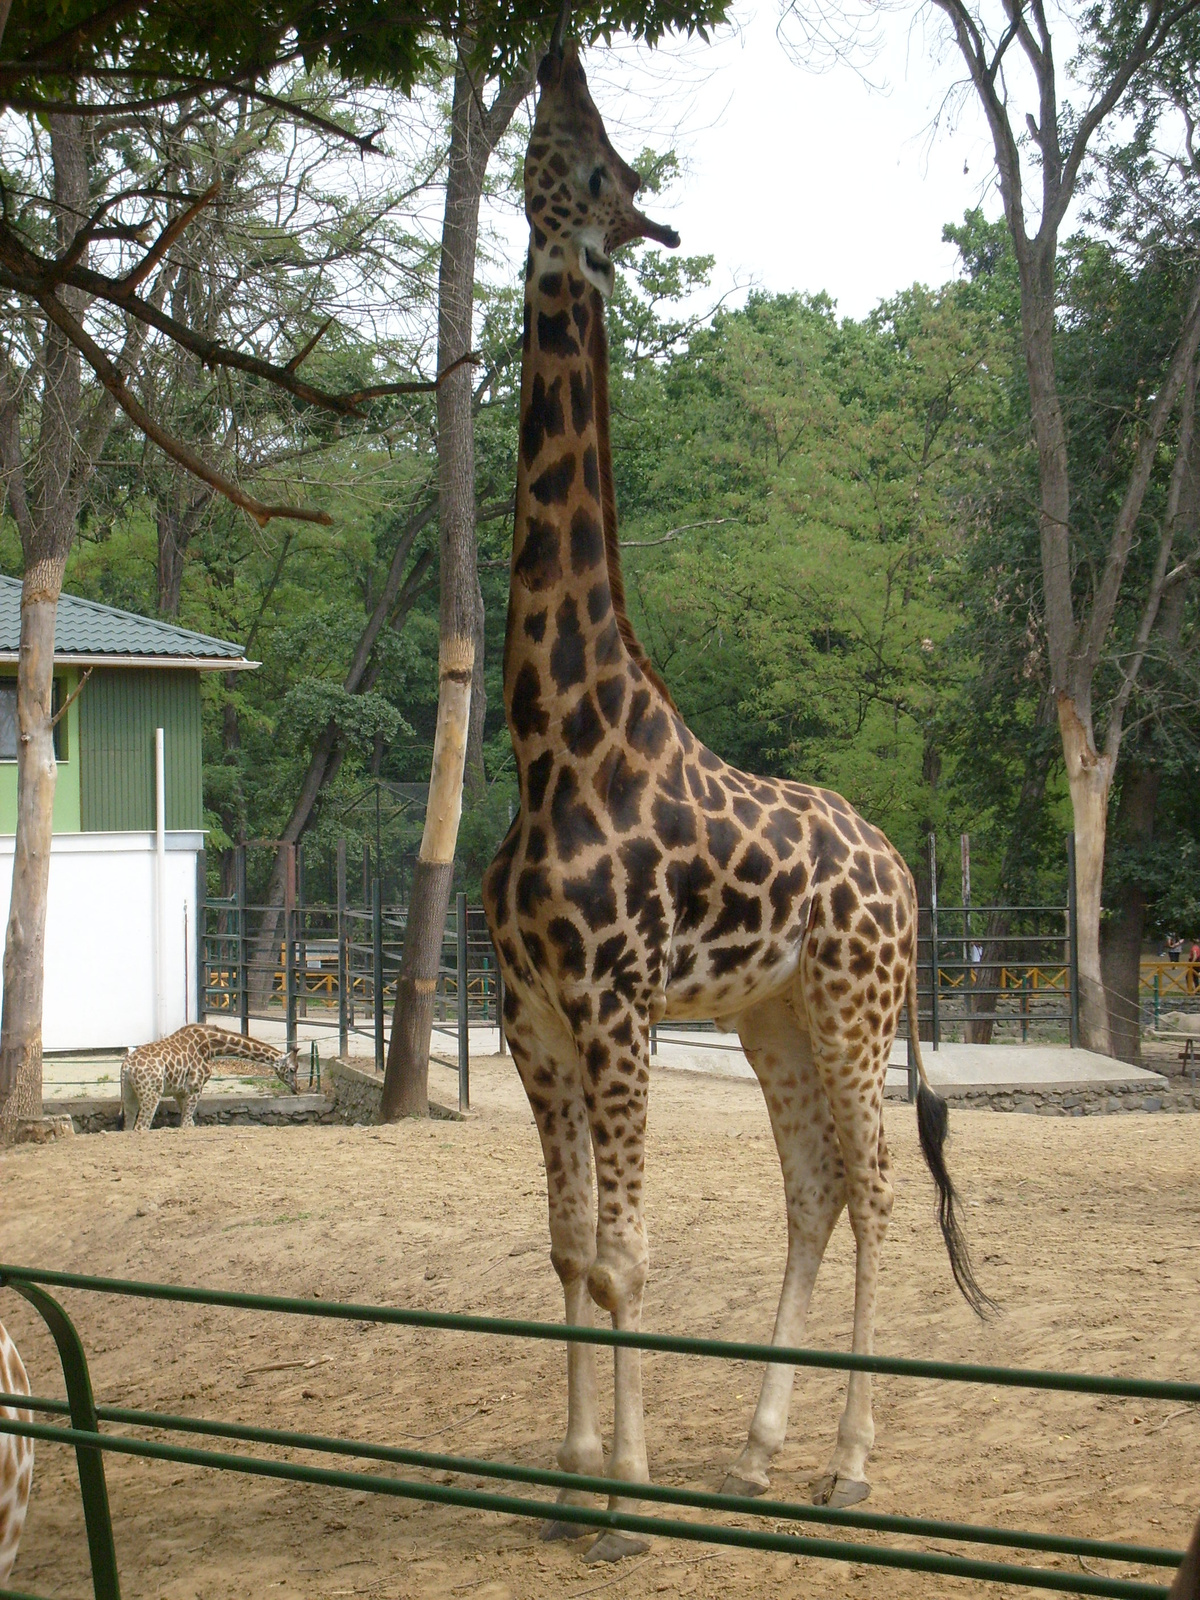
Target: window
(8, 721)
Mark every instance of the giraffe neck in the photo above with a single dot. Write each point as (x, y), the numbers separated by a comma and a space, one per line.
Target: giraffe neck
(567, 631)
(218, 1042)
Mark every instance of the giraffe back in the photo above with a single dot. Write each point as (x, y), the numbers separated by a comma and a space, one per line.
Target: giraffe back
(16, 1458)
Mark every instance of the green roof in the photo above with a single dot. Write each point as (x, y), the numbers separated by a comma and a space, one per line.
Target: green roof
(86, 629)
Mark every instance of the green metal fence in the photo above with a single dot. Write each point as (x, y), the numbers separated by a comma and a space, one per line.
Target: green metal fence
(90, 1443)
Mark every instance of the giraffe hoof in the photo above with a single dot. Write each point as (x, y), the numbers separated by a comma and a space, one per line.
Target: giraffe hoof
(838, 1492)
(743, 1486)
(556, 1530)
(613, 1546)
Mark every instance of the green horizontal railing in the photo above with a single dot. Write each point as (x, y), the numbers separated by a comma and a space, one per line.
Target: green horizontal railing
(89, 1442)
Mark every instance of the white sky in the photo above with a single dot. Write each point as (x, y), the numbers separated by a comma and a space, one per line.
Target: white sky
(801, 179)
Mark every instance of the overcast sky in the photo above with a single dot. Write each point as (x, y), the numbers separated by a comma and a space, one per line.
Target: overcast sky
(800, 179)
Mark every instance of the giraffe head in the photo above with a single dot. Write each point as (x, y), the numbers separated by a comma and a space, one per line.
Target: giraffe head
(578, 191)
(287, 1067)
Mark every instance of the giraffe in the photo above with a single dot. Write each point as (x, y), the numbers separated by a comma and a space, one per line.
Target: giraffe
(645, 878)
(16, 1457)
(177, 1068)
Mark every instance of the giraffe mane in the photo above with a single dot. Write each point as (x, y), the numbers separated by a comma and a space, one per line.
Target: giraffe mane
(608, 501)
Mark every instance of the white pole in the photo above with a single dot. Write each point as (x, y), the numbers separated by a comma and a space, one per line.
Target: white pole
(160, 883)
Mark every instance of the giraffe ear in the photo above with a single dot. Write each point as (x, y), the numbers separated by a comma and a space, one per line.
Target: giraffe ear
(594, 262)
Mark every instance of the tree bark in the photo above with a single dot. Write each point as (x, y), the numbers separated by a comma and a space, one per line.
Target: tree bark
(475, 777)
(1121, 945)
(473, 137)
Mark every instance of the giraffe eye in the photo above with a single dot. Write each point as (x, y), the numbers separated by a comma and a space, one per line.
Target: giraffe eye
(594, 182)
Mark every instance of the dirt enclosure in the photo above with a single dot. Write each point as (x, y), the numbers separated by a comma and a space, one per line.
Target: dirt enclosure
(1085, 1229)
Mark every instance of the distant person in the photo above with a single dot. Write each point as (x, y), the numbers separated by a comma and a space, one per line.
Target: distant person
(1193, 971)
(1174, 947)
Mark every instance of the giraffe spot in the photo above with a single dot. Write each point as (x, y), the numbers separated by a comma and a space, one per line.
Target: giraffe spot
(714, 797)
(568, 941)
(543, 418)
(885, 917)
(591, 472)
(723, 839)
(771, 957)
(535, 949)
(568, 665)
(866, 927)
(551, 487)
(782, 832)
(670, 780)
(623, 1034)
(581, 317)
(674, 824)
(608, 644)
(706, 759)
(755, 865)
(615, 961)
(582, 729)
(537, 777)
(730, 957)
(683, 962)
(646, 727)
(843, 819)
(599, 601)
(687, 883)
(843, 903)
(610, 1004)
(525, 323)
(838, 987)
(587, 543)
(535, 626)
(536, 204)
(887, 954)
(640, 858)
(583, 407)
(862, 958)
(539, 243)
(830, 954)
(554, 333)
(684, 734)
(738, 911)
(533, 886)
(558, 164)
(828, 850)
(619, 788)
(594, 895)
(610, 693)
(860, 873)
(595, 1059)
(550, 284)
(575, 286)
(495, 889)
(528, 712)
(747, 811)
(537, 565)
(885, 877)
(572, 819)
(695, 781)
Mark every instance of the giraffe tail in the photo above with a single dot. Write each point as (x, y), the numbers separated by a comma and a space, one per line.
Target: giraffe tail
(933, 1120)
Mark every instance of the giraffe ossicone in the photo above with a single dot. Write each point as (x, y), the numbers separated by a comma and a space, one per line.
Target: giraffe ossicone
(644, 878)
(179, 1066)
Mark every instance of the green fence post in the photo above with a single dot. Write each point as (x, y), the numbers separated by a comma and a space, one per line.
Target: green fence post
(289, 933)
(243, 975)
(1072, 945)
(90, 1461)
(464, 1021)
(1157, 999)
(935, 975)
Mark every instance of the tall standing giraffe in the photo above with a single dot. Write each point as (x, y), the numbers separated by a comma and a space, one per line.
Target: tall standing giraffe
(16, 1457)
(644, 878)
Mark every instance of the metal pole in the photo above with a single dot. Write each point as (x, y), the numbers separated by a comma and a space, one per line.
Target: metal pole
(964, 848)
(464, 1034)
(243, 975)
(377, 967)
(201, 936)
(500, 1009)
(343, 1006)
(289, 964)
(1156, 999)
(1072, 943)
(160, 884)
(934, 1022)
(301, 941)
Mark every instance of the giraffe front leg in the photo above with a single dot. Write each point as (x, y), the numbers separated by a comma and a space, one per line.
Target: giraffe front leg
(148, 1103)
(187, 1104)
(616, 1088)
(549, 1070)
(805, 1136)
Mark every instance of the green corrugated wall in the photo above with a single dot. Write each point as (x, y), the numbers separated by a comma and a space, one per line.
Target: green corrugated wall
(118, 713)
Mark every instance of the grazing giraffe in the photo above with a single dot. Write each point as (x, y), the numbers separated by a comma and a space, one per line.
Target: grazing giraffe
(16, 1457)
(178, 1067)
(644, 878)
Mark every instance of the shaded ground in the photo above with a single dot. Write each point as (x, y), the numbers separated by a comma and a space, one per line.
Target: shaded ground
(1085, 1229)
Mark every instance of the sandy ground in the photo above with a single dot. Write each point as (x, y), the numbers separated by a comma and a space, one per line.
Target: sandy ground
(1085, 1229)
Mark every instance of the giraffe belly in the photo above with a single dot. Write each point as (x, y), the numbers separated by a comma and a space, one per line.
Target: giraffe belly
(719, 985)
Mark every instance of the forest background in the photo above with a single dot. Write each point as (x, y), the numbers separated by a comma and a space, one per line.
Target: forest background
(829, 525)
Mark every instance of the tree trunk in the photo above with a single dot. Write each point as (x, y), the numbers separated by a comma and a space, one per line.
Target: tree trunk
(406, 1086)
(170, 562)
(1121, 946)
(475, 776)
(1089, 778)
(25, 942)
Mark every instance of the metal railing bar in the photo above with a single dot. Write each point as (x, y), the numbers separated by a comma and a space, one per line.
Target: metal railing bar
(696, 1499)
(660, 1343)
(589, 1516)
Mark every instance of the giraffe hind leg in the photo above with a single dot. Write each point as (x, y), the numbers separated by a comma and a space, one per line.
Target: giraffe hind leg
(778, 1049)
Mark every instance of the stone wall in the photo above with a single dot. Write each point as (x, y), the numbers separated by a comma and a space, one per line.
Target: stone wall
(1079, 1101)
(357, 1092)
(272, 1111)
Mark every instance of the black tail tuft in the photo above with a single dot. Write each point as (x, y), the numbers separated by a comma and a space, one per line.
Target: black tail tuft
(121, 1120)
(932, 1122)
